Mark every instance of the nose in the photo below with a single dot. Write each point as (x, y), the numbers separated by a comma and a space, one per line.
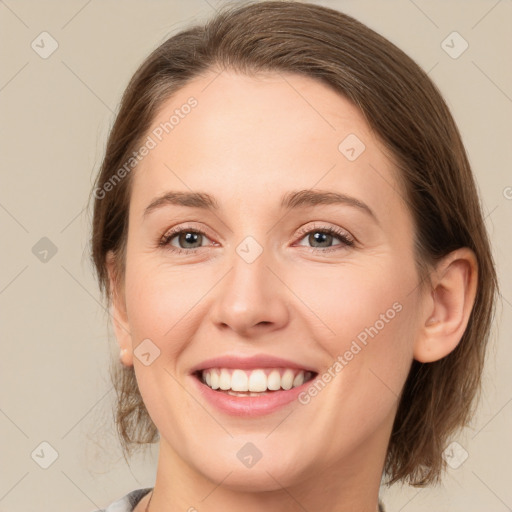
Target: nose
(250, 299)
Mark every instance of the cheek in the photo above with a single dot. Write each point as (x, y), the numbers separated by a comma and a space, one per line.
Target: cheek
(160, 304)
(160, 298)
(354, 301)
(365, 321)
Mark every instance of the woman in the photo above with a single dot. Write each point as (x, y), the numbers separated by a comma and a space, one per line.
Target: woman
(276, 373)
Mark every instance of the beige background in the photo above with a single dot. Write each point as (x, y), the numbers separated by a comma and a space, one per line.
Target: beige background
(56, 113)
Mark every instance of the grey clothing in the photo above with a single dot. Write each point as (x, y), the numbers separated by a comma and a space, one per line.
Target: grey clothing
(129, 502)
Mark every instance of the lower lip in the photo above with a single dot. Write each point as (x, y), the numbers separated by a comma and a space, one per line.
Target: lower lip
(249, 405)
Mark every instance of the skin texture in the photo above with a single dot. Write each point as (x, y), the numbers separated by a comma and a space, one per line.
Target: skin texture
(248, 141)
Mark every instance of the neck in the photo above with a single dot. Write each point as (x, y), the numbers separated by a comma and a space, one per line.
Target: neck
(352, 486)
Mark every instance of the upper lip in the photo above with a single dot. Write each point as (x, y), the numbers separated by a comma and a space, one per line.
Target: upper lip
(256, 361)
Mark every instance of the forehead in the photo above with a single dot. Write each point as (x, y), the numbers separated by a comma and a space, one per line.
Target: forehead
(251, 138)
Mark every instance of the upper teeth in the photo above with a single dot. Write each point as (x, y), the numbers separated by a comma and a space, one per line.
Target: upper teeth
(257, 380)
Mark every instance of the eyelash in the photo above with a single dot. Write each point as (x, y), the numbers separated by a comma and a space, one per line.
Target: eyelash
(346, 241)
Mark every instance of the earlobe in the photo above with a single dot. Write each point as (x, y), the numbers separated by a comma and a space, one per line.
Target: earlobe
(118, 313)
(126, 357)
(448, 308)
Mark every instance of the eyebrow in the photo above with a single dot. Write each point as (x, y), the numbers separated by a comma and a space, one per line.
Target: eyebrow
(290, 200)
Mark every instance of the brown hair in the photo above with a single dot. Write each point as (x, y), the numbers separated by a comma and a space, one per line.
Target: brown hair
(407, 113)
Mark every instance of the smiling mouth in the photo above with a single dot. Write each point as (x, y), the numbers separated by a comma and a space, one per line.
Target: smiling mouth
(254, 382)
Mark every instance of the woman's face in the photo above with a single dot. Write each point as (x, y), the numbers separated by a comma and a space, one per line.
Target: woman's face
(260, 276)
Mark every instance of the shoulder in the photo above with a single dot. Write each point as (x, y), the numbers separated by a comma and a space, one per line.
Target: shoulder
(128, 502)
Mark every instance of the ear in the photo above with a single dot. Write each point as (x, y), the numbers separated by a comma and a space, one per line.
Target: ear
(118, 312)
(447, 309)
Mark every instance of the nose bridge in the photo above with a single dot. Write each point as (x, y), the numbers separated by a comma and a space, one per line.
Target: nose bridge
(250, 295)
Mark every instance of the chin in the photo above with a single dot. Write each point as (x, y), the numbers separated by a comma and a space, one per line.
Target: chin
(239, 473)
(263, 479)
